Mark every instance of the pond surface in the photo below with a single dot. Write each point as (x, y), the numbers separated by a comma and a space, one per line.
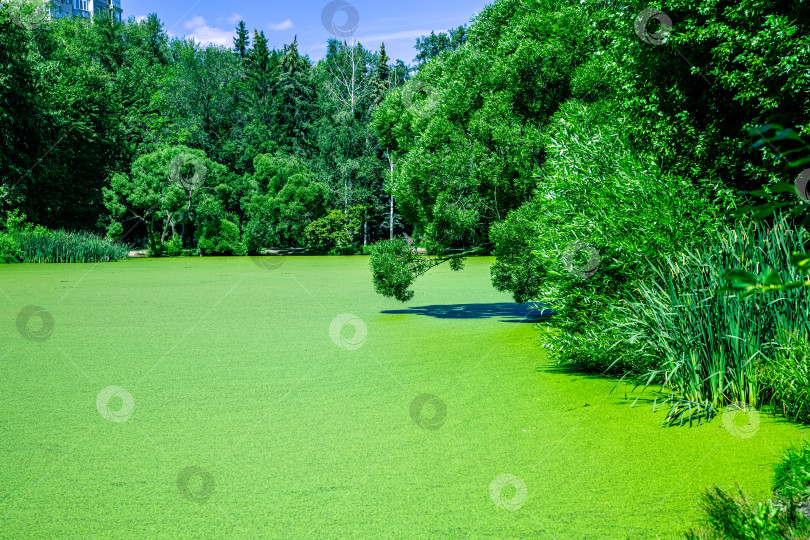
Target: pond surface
(281, 397)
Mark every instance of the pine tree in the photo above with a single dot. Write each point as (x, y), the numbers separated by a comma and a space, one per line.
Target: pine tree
(241, 42)
(259, 55)
(381, 79)
(295, 99)
(261, 79)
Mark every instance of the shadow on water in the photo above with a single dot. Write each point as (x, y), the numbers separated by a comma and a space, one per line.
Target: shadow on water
(506, 311)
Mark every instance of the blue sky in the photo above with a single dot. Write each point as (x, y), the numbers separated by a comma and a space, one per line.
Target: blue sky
(398, 24)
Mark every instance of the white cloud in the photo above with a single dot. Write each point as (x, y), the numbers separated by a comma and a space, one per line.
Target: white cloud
(286, 25)
(195, 22)
(203, 33)
(235, 18)
(140, 18)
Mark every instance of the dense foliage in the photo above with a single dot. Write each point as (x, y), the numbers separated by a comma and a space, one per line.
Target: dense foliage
(604, 159)
(115, 128)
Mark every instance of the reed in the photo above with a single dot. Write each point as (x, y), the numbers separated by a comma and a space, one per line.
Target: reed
(711, 349)
(44, 246)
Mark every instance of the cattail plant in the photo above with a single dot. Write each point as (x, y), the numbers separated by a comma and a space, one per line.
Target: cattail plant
(711, 348)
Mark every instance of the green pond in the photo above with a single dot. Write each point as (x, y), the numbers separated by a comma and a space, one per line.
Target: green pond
(281, 397)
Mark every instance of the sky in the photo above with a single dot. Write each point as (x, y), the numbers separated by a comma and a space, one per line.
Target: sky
(370, 22)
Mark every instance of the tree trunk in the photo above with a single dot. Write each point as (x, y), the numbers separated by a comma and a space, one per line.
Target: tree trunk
(391, 200)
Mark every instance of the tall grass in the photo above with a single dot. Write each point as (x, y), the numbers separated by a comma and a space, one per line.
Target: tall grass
(711, 348)
(44, 246)
(787, 378)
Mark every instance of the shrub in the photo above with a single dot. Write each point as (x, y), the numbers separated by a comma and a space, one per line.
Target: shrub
(174, 246)
(328, 232)
(10, 251)
(596, 194)
(732, 515)
(218, 230)
(221, 238)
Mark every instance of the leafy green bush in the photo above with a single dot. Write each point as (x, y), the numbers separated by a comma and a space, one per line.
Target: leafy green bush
(218, 232)
(221, 238)
(10, 251)
(328, 232)
(174, 246)
(596, 194)
(731, 515)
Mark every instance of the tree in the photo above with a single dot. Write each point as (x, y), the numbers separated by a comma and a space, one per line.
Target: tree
(284, 198)
(199, 97)
(348, 65)
(158, 187)
(429, 47)
(382, 79)
(295, 100)
(241, 42)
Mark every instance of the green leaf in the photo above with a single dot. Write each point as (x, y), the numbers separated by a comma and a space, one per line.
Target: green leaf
(741, 276)
(800, 260)
(771, 277)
